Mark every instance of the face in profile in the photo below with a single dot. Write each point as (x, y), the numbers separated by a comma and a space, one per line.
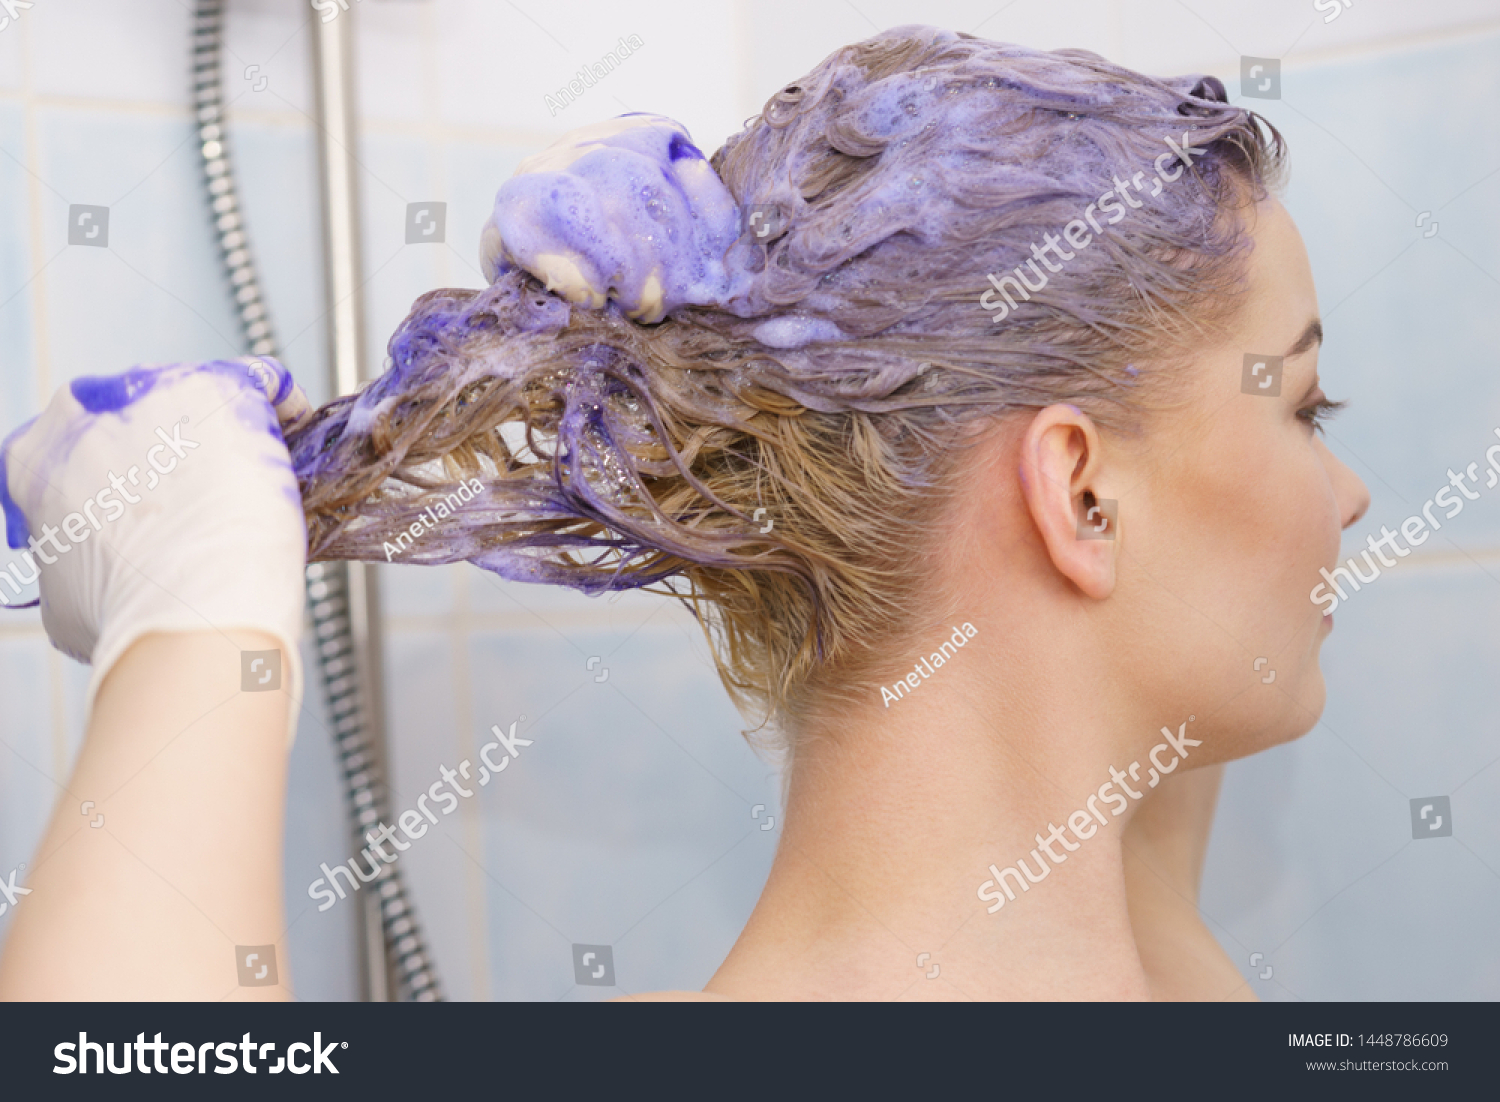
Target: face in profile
(1230, 503)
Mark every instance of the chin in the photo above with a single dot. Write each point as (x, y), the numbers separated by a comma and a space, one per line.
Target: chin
(1292, 713)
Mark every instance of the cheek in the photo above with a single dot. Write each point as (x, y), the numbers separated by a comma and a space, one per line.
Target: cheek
(1255, 524)
(1299, 516)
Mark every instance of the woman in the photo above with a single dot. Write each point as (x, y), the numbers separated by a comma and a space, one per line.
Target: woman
(1016, 352)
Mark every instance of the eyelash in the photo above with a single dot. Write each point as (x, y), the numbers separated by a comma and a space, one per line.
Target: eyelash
(1319, 412)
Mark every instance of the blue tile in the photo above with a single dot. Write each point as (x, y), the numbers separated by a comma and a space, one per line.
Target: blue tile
(323, 946)
(1312, 854)
(277, 171)
(19, 398)
(636, 789)
(156, 293)
(26, 756)
(475, 173)
(421, 709)
(417, 590)
(395, 172)
(27, 772)
(1410, 319)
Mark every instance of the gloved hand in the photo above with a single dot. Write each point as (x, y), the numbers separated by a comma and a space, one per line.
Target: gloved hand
(162, 500)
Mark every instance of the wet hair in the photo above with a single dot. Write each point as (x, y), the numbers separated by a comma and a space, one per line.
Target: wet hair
(780, 458)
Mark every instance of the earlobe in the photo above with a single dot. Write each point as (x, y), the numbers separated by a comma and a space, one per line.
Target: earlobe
(1061, 472)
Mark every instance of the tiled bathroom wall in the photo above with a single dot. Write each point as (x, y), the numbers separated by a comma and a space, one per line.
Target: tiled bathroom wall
(634, 818)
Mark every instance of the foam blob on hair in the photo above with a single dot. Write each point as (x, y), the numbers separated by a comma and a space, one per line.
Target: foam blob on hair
(627, 210)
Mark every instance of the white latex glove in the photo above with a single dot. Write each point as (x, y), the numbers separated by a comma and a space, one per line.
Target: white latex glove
(214, 537)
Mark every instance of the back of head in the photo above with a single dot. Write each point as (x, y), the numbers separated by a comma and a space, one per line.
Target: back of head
(779, 451)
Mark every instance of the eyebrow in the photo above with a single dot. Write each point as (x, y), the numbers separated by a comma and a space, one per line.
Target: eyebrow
(1312, 335)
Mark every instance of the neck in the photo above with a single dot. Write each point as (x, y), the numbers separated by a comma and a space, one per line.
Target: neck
(894, 816)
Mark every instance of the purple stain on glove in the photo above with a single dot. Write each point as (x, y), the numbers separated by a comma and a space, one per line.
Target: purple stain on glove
(17, 532)
(628, 210)
(113, 393)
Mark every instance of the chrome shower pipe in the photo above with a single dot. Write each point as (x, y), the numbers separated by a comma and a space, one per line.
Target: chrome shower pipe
(342, 597)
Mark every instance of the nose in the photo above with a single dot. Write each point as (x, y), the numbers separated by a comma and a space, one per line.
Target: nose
(1349, 490)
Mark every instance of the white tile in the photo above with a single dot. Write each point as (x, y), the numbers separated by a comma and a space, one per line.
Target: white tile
(500, 64)
(268, 56)
(12, 53)
(107, 50)
(392, 66)
(1166, 38)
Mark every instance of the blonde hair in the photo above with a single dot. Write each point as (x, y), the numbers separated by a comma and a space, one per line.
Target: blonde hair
(785, 482)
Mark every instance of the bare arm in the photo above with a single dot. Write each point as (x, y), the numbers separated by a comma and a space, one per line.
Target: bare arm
(190, 776)
(182, 773)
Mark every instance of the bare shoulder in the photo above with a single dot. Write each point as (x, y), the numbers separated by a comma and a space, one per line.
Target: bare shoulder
(674, 997)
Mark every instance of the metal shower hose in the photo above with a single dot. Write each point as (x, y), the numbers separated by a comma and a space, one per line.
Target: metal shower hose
(327, 583)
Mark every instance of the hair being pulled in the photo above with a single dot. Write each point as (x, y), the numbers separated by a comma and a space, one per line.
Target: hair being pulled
(778, 459)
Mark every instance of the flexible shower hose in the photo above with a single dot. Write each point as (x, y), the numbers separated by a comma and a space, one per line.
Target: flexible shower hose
(327, 583)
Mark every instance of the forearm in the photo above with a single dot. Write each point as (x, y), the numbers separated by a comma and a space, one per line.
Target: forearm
(189, 773)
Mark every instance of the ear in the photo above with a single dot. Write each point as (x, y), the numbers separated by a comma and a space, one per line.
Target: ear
(1061, 464)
